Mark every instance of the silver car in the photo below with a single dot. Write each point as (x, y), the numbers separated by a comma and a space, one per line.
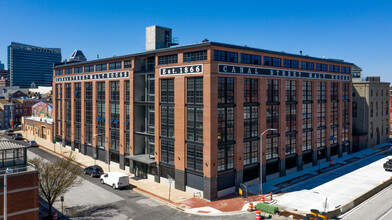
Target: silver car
(32, 143)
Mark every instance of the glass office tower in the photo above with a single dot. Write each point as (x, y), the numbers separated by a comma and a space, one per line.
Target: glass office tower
(31, 64)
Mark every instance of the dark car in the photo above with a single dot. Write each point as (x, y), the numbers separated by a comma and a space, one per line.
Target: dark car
(388, 165)
(10, 132)
(93, 170)
(17, 136)
(32, 143)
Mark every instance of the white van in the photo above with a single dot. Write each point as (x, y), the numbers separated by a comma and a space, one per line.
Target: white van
(115, 179)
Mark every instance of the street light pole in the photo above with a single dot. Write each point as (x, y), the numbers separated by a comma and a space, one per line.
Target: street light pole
(261, 159)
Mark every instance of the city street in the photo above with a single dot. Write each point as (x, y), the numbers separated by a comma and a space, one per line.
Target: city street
(377, 207)
(92, 200)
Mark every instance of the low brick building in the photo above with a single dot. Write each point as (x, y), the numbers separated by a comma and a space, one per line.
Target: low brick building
(22, 183)
(40, 124)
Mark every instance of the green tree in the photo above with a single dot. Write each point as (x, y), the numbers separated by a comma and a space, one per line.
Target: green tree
(56, 178)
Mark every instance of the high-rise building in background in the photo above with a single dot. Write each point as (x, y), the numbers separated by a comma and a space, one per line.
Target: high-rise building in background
(31, 65)
(1, 66)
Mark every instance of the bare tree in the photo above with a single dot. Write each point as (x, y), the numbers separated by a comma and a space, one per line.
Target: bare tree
(55, 179)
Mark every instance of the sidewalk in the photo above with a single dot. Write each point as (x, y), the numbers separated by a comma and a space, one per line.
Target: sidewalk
(232, 204)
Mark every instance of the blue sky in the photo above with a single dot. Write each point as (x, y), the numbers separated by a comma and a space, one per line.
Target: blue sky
(356, 31)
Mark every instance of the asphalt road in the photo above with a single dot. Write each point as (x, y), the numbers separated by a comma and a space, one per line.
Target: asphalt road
(378, 207)
(92, 200)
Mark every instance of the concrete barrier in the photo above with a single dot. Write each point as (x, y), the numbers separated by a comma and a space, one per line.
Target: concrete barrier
(336, 212)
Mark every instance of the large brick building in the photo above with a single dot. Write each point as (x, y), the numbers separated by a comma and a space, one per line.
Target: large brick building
(196, 112)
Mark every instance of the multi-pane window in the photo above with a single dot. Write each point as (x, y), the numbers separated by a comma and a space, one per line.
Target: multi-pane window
(371, 109)
(273, 116)
(306, 140)
(195, 157)
(167, 121)
(251, 90)
(88, 69)
(225, 124)
(344, 69)
(306, 91)
(78, 70)
(101, 114)
(250, 152)
(168, 59)
(345, 112)
(127, 117)
(128, 64)
(293, 64)
(345, 133)
(225, 56)
(68, 111)
(195, 124)
(334, 113)
(272, 147)
(290, 144)
(376, 109)
(195, 90)
(195, 109)
(307, 65)
(59, 72)
(272, 61)
(167, 108)
(59, 109)
(115, 66)
(291, 91)
(167, 151)
(89, 113)
(334, 91)
(68, 71)
(114, 115)
(386, 107)
(225, 157)
(250, 121)
(195, 56)
(334, 68)
(321, 91)
(334, 135)
(371, 129)
(272, 91)
(320, 137)
(291, 118)
(250, 59)
(345, 91)
(78, 108)
(225, 90)
(306, 115)
(321, 67)
(101, 67)
(321, 114)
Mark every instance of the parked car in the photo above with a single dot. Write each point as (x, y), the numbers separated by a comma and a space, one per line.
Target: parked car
(32, 143)
(17, 136)
(115, 179)
(93, 170)
(388, 165)
(10, 132)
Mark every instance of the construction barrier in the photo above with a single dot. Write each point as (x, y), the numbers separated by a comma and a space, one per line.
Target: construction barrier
(271, 195)
(310, 216)
(323, 215)
(262, 199)
(54, 215)
(250, 209)
(314, 212)
(258, 215)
